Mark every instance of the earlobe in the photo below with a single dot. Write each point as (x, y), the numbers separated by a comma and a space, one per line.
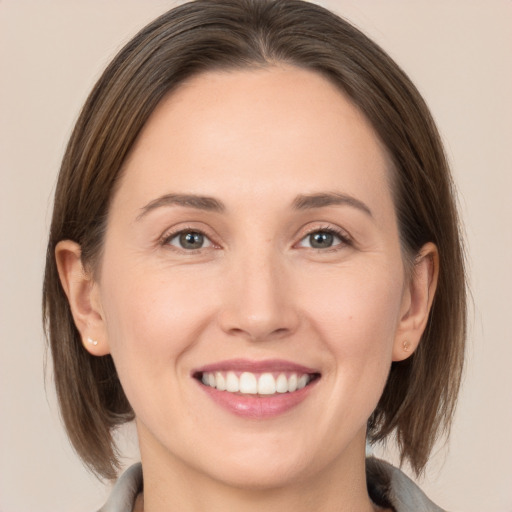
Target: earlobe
(83, 298)
(417, 302)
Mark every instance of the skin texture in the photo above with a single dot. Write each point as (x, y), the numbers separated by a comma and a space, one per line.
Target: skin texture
(254, 140)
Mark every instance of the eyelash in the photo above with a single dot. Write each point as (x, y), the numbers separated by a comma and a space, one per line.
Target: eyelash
(337, 232)
(167, 237)
(340, 234)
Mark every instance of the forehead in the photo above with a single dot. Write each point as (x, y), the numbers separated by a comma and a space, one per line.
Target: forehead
(285, 126)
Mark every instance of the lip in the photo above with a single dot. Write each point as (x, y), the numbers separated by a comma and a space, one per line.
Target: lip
(257, 407)
(246, 365)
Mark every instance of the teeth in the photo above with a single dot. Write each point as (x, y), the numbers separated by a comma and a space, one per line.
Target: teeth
(220, 381)
(292, 383)
(252, 384)
(232, 383)
(266, 384)
(248, 383)
(282, 384)
(303, 380)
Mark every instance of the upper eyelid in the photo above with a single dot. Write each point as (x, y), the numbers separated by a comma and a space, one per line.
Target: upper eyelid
(341, 241)
(336, 230)
(171, 233)
(302, 233)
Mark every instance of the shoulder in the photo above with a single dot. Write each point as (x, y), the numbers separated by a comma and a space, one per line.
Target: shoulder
(389, 486)
(125, 491)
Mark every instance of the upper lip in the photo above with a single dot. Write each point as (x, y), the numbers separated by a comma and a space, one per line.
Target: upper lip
(247, 365)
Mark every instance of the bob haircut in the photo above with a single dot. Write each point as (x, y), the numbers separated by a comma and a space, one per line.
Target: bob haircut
(420, 395)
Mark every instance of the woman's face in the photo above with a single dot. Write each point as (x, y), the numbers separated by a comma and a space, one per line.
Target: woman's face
(253, 242)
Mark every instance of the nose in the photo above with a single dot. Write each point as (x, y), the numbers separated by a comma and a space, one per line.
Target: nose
(258, 302)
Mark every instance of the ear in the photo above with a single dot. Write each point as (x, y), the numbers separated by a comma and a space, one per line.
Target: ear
(416, 302)
(83, 296)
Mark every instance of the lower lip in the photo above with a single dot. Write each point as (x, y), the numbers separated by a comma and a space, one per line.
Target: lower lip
(258, 406)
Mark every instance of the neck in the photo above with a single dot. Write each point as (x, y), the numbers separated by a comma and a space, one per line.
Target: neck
(171, 484)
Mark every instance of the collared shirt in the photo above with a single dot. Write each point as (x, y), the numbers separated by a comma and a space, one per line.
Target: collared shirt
(387, 486)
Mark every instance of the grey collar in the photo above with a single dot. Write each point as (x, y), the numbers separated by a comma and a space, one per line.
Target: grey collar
(387, 486)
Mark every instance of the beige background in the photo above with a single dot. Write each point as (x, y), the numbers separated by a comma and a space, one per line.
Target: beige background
(459, 54)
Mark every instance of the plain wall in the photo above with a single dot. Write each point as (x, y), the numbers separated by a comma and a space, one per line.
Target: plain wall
(458, 52)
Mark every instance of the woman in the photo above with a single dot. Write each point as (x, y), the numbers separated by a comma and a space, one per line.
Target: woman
(254, 252)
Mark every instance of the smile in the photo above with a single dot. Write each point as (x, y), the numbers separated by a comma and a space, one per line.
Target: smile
(256, 390)
(256, 384)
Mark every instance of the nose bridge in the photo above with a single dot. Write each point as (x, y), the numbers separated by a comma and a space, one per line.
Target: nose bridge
(258, 303)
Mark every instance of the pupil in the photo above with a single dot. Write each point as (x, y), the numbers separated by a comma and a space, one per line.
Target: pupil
(191, 240)
(321, 240)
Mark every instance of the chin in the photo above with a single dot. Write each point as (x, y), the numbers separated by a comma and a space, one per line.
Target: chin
(268, 463)
(259, 475)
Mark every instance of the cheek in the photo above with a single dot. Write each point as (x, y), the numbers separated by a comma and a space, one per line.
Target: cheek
(152, 317)
(361, 303)
(356, 317)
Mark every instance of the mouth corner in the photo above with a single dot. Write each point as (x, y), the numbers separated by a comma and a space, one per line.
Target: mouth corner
(314, 376)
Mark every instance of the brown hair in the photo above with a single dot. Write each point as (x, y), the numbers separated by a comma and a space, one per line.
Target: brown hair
(420, 395)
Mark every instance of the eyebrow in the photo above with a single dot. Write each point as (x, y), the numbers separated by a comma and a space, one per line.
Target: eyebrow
(306, 202)
(301, 202)
(187, 200)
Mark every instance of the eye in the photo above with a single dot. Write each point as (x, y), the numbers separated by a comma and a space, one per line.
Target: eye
(323, 239)
(189, 240)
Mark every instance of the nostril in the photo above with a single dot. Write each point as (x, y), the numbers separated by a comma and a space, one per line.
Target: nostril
(259, 316)
(259, 333)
